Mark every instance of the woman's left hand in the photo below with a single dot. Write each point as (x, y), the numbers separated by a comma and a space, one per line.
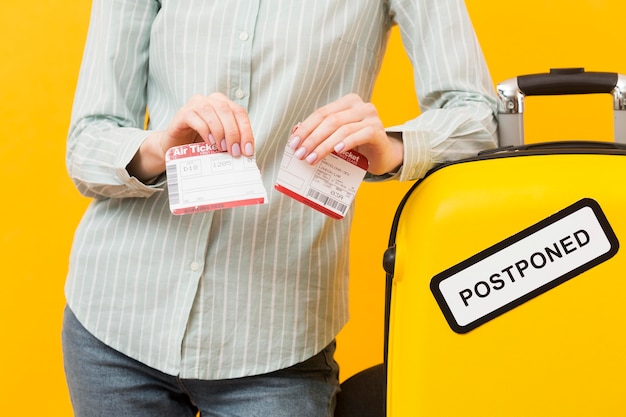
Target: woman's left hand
(345, 124)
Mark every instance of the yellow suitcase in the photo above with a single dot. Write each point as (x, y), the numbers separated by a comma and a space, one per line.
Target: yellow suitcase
(507, 283)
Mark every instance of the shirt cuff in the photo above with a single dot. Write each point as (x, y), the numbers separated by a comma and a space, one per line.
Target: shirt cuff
(417, 155)
(124, 156)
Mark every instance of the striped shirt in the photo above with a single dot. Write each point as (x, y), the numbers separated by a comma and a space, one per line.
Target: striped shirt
(253, 289)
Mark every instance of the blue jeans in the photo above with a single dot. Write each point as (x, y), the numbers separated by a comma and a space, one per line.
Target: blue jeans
(104, 382)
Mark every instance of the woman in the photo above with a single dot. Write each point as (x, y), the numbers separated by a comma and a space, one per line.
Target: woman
(234, 312)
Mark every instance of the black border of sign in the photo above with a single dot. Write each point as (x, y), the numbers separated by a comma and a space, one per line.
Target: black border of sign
(585, 202)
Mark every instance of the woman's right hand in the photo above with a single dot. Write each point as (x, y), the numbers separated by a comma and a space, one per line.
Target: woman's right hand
(214, 119)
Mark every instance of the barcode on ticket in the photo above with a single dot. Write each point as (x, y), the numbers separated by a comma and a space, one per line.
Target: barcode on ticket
(327, 201)
(172, 184)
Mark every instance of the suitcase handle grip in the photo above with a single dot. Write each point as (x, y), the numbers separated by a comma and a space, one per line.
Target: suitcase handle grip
(562, 81)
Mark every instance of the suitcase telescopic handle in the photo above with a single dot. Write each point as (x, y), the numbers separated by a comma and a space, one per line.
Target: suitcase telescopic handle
(561, 81)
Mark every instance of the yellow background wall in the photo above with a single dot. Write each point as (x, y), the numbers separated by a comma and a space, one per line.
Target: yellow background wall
(40, 49)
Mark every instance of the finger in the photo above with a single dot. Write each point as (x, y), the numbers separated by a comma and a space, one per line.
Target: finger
(231, 138)
(368, 131)
(343, 139)
(314, 130)
(213, 125)
(362, 136)
(235, 127)
(330, 132)
(214, 112)
(326, 120)
(198, 115)
(186, 127)
(246, 138)
(315, 119)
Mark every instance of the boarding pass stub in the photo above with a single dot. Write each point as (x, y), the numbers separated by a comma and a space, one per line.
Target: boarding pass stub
(328, 186)
(202, 178)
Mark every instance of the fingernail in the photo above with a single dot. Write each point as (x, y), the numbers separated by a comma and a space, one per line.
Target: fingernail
(311, 158)
(339, 147)
(294, 142)
(236, 150)
(300, 153)
(223, 144)
(249, 149)
(211, 138)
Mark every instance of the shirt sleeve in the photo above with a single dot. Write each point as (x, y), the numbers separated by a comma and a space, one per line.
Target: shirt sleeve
(454, 89)
(109, 111)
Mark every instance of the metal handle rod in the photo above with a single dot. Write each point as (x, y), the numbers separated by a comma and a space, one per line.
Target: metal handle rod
(511, 99)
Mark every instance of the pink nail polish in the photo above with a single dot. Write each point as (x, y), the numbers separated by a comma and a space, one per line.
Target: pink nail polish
(236, 149)
(300, 153)
(294, 142)
(311, 158)
(212, 139)
(339, 147)
(223, 144)
(249, 149)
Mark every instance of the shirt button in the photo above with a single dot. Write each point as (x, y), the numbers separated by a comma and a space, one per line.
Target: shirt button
(239, 93)
(243, 36)
(194, 266)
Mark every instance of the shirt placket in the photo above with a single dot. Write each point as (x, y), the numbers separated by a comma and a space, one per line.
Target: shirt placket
(241, 65)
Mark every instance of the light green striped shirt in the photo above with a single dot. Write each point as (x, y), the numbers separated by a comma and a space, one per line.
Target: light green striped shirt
(248, 290)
